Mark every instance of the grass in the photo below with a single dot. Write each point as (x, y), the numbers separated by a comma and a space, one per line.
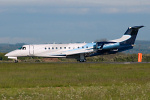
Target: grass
(76, 81)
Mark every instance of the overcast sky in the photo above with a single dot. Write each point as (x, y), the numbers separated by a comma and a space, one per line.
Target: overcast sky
(64, 21)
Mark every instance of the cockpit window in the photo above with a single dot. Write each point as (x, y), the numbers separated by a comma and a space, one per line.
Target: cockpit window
(22, 48)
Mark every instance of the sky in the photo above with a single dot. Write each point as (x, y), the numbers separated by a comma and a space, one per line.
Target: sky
(65, 21)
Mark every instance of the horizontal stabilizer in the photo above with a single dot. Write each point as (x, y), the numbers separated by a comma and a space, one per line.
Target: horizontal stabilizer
(136, 27)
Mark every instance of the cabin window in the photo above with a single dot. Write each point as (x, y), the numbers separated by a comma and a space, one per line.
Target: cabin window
(52, 47)
(83, 47)
(78, 47)
(69, 47)
(49, 48)
(45, 48)
(86, 46)
(64, 47)
(56, 48)
(60, 47)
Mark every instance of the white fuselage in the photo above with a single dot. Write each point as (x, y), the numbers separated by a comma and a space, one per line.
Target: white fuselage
(52, 50)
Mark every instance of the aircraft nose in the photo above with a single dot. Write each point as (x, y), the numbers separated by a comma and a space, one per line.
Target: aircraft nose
(10, 54)
(7, 54)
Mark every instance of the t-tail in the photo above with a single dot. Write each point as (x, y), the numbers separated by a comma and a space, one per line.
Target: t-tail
(131, 31)
(129, 36)
(124, 43)
(128, 43)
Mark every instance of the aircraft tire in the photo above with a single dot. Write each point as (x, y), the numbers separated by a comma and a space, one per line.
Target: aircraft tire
(16, 61)
(82, 60)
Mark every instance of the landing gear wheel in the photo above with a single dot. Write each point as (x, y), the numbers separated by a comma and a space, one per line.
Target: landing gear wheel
(82, 60)
(16, 61)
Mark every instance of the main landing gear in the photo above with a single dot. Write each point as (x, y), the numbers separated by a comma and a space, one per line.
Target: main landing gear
(81, 58)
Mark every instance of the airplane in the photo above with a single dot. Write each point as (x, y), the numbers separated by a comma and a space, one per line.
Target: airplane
(79, 51)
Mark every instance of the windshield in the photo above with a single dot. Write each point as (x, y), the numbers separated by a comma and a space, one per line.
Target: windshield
(22, 48)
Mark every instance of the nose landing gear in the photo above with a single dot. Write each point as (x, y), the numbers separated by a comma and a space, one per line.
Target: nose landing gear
(16, 61)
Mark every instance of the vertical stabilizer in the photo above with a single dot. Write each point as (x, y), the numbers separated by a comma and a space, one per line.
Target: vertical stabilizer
(132, 31)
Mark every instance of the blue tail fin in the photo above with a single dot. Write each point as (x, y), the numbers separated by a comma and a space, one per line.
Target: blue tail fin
(132, 31)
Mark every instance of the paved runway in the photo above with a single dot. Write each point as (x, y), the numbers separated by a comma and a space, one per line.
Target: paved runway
(85, 62)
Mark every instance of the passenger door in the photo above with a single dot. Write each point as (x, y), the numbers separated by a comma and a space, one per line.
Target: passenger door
(31, 50)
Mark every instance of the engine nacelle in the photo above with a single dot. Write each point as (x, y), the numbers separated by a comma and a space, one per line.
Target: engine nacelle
(106, 45)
